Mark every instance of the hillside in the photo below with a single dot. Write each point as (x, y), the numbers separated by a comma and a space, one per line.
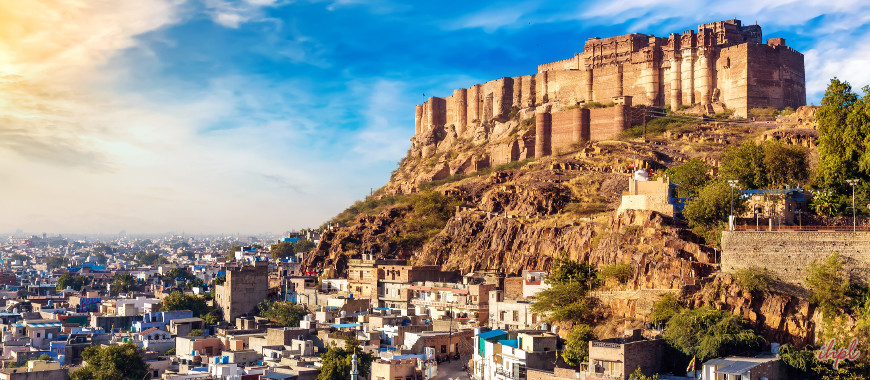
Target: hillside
(521, 215)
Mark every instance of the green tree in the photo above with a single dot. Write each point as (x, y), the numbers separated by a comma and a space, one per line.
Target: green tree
(45, 357)
(178, 274)
(56, 262)
(196, 282)
(170, 352)
(67, 280)
(638, 375)
(195, 333)
(281, 312)
(113, 362)
(784, 164)
(828, 286)
(844, 134)
(565, 270)
(577, 345)
(220, 280)
(303, 245)
(708, 213)
(282, 250)
(124, 282)
(665, 308)
(336, 362)
(182, 301)
(563, 302)
(690, 177)
(745, 163)
(706, 333)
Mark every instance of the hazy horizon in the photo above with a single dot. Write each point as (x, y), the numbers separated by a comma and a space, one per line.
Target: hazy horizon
(270, 115)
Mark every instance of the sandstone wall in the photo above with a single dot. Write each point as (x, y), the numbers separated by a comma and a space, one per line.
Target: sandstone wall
(787, 255)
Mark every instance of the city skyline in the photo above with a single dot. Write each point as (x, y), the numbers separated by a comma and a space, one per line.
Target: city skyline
(166, 115)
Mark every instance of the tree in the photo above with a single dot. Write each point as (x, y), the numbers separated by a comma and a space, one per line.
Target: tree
(195, 283)
(170, 352)
(705, 333)
(113, 362)
(563, 302)
(665, 308)
(182, 301)
(303, 245)
(336, 362)
(745, 163)
(566, 270)
(45, 357)
(282, 250)
(281, 312)
(690, 177)
(178, 274)
(784, 164)
(124, 282)
(220, 280)
(708, 212)
(56, 262)
(195, 333)
(828, 286)
(844, 133)
(67, 280)
(577, 345)
(638, 375)
(102, 259)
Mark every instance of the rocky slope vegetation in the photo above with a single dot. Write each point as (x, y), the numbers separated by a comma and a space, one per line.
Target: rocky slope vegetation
(521, 215)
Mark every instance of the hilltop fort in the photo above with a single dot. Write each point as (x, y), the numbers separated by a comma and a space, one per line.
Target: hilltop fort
(590, 96)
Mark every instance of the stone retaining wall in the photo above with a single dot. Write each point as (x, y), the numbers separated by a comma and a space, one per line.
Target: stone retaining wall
(787, 255)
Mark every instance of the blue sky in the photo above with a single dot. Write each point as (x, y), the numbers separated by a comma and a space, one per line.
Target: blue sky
(270, 115)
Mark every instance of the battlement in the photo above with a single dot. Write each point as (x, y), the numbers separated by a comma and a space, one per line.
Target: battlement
(723, 63)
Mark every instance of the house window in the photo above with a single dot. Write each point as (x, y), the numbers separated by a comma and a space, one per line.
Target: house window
(501, 316)
(37, 335)
(516, 316)
(443, 349)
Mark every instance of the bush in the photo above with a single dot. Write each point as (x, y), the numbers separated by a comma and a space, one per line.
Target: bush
(753, 279)
(195, 333)
(621, 272)
(706, 333)
(828, 287)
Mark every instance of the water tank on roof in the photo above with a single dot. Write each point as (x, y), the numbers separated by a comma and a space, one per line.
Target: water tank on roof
(641, 175)
(343, 314)
(555, 329)
(544, 326)
(226, 359)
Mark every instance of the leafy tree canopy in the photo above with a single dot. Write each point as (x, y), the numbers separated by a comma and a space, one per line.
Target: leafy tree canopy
(690, 177)
(67, 280)
(708, 212)
(844, 134)
(706, 333)
(124, 282)
(182, 301)
(282, 250)
(665, 308)
(113, 362)
(281, 312)
(337, 361)
(577, 345)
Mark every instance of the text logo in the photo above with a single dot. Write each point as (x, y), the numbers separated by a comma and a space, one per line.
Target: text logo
(829, 352)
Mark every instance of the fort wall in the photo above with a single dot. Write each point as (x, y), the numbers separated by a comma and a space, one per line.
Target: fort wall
(787, 255)
(722, 64)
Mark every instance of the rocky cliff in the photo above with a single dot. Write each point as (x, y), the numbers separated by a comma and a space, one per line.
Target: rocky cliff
(522, 214)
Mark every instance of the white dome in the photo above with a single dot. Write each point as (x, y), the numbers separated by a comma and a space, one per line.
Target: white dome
(641, 175)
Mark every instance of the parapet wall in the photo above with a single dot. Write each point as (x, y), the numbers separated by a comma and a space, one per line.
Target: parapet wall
(788, 255)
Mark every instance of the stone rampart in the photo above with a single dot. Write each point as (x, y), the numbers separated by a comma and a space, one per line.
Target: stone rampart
(787, 255)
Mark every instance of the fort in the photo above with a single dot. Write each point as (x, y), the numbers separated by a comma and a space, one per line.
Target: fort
(724, 65)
